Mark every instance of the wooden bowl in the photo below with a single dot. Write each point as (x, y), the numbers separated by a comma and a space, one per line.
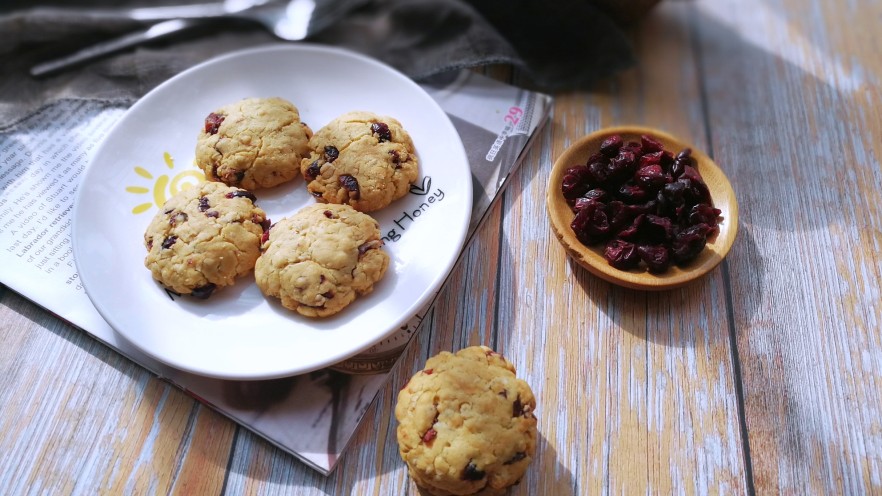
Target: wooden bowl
(592, 258)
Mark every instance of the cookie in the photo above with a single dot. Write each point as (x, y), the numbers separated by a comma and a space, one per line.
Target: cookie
(466, 424)
(318, 260)
(254, 143)
(203, 238)
(360, 159)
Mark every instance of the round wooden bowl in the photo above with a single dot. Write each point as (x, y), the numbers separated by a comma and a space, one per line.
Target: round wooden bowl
(592, 258)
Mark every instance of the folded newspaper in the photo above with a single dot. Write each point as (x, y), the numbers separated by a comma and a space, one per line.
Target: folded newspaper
(312, 416)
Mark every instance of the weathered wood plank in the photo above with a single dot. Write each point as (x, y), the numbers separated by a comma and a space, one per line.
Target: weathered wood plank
(793, 97)
(636, 390)
(92, 421)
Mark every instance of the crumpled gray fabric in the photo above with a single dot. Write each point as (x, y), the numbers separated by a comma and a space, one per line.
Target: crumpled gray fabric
(555, 45)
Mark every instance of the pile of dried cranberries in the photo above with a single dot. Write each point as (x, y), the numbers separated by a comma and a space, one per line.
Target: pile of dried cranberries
(642, 202)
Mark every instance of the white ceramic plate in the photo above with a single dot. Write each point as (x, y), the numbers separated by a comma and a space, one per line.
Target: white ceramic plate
(238, 333)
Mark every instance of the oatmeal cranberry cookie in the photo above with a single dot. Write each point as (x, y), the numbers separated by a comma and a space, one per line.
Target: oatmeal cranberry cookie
(254, 143)
(466, 424)
(203, 238)
(318, 260)
(360, 159)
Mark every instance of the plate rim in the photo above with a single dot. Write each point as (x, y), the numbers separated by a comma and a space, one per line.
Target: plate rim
(430, 291)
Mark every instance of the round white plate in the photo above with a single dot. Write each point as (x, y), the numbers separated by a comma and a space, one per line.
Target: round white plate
(238, 333)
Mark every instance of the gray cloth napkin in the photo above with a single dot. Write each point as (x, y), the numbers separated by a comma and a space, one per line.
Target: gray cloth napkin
(556, 45)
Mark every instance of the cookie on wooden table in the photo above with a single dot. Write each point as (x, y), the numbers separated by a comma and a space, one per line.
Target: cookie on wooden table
(254, 143)
(466, 424)
(203, 238)
(318, 260)
(360, 159)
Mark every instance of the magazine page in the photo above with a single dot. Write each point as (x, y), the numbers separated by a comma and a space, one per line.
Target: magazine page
(41, 161)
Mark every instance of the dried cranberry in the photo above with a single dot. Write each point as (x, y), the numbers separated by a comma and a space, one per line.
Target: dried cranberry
(169, 241)
(372, 245)
(350, 184)
(673, 192)
(430, 435)
(633, 147)
(331, 153)
(650, 159)
(619, 215)
(382, 131)
(575, 182)
(621, 254)
(651, 177)
(517, 408)
(666, 160)
(657, 229)
(687, 244)
(598, 172)
(597, 194)
(610, 146)
(597, 157)
(650, 144)
(177, 218)
(663, 205)
(241, 193)
(703, 213)
(313, 170)
(696, 188)
(203, 203)
(471, 473)
(396, 158)
(683, 159)
(632, 193)
(622, 166)
(656, 257)
(328, 214)
(591, 224)
(580, 203)
(678, 167)
(203, 292)
(632, 231)
(213, 122)
(649, 207)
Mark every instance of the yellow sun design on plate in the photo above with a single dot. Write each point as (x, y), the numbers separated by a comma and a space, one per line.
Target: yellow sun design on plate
(164, 187)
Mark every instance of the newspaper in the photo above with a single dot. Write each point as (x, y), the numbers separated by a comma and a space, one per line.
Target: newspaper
(312, 416)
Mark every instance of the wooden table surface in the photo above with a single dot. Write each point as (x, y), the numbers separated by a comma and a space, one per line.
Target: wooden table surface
(763, 377)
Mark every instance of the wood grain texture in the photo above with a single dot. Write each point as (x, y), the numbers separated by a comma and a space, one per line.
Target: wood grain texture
(636, 390)
(795, 133)
(79, 418)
